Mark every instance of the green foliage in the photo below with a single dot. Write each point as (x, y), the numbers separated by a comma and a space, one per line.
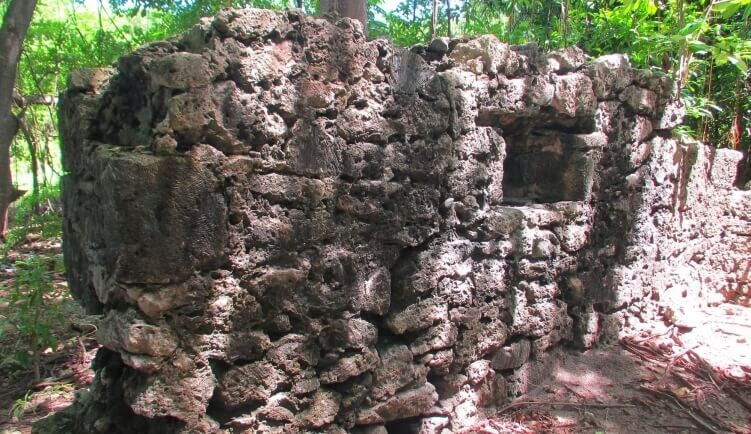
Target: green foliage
(185, 13)
(407, 25)
(19, 406)
(728, 8)
(61, 38)
(33, 312)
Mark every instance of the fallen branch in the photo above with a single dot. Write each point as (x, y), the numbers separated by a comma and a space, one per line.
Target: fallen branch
(684, 427)
(677, 357)
(562, 404)
(572, 390)
(739, 398)
(709, 369)
(702, 423)
(650, 337)
(55, 382)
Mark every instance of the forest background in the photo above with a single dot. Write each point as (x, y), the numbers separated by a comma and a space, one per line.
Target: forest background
(705, 45)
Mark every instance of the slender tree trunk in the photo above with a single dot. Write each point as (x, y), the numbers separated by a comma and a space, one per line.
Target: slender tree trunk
(684, 55)
(448, 17)
(704, 120)
(734, 135)
(511, 23)
(33, 153)
(434, 19)
(15, 24)
(681, 76)
(564, 22)
(356, 9)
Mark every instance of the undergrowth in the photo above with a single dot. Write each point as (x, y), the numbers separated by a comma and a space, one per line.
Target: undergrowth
(33, 310)
(34, 305)
(34, 213)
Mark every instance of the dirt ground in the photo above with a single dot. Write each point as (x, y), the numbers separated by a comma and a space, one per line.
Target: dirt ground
(659, 378)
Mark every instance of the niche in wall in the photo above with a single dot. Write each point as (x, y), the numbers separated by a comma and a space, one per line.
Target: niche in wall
(544, 167)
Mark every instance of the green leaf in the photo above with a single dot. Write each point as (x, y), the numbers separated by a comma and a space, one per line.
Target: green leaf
(740, 63)
(691, 27)
(697, 46)
(720, 57)
(727, 8)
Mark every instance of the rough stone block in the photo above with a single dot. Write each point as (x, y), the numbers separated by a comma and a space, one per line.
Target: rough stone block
(255, 382)
(512, 356)
(610, 74)
(725, 167)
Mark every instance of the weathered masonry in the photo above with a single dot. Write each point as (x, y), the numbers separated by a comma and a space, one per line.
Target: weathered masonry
(289, 228)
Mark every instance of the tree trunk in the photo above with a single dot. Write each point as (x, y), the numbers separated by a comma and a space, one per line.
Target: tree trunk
(681, 75)
(564, 22)
(356, 9)
(433, 19)
(33, 154)
(12, 33)
(448, 18)
(734, 135)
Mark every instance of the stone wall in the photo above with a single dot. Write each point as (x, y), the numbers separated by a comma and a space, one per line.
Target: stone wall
(288, 228)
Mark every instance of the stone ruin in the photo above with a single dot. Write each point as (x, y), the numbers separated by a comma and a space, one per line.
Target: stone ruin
(289, 228)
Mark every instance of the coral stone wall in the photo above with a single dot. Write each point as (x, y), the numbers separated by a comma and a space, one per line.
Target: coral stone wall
(289, 228)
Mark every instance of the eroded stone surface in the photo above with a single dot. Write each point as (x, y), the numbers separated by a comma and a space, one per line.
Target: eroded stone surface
(289, 228)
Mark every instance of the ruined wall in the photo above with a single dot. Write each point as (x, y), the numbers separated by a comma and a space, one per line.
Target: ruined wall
(289, 228)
